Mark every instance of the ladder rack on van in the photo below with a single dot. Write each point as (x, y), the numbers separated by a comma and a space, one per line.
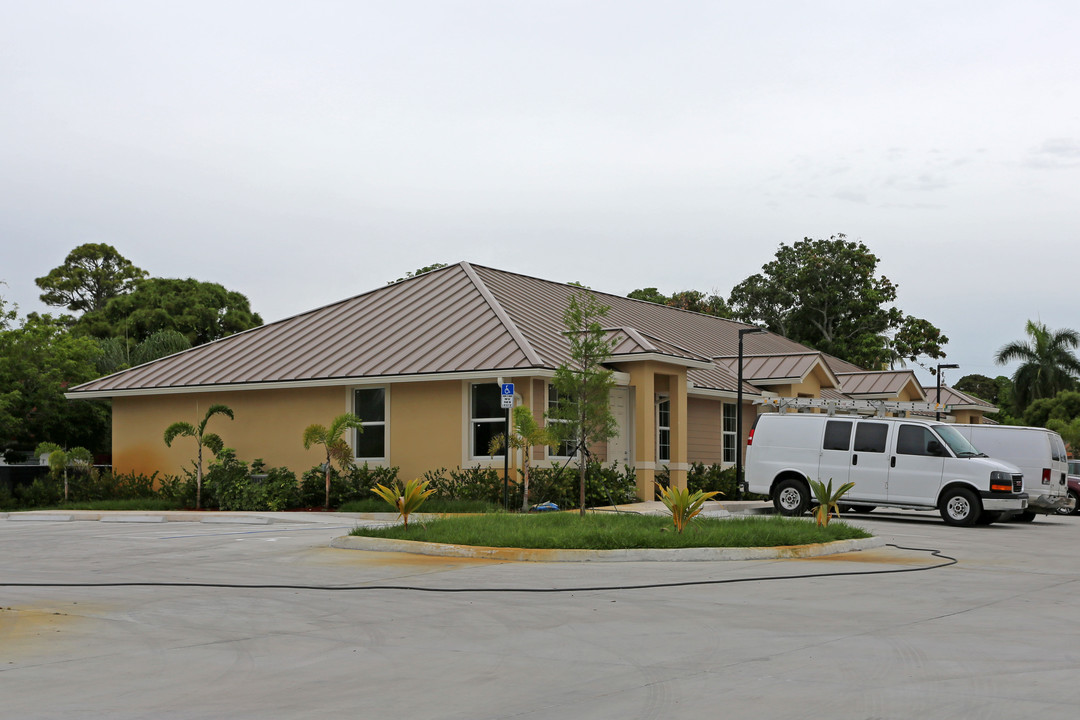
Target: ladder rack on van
(862, 407)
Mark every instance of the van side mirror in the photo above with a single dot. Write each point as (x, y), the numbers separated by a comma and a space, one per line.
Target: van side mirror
(934, 448)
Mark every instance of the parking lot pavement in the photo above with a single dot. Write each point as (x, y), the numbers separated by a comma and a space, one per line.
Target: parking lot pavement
(189, 620)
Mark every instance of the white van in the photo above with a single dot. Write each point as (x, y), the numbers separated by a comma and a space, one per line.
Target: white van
(894, 462)
(1040, 455)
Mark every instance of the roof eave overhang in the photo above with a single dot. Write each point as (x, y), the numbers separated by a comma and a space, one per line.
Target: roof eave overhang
(620, 378)
(660, 357)
(715, 393)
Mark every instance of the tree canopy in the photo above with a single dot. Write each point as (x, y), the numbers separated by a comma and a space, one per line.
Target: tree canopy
(1047, 363)
(39, 361)
(827, 294)
(200, 311)
(91, 275)
(693, 300)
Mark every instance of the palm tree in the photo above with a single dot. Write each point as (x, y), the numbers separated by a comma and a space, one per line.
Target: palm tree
(202, 439)
(1047, 364)
(525, 435)
(337, 447)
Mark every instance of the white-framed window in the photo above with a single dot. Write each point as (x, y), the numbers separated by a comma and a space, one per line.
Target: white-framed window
(369, 404)
(663, 428)
(729, 420)
(487, 419)
(565, 448)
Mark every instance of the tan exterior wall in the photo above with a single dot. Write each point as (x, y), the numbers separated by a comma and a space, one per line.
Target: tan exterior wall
(967, 417)
(424, 428)
(268, 424)
(704, 437)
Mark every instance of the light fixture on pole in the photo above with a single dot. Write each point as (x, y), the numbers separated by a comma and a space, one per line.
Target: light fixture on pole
(739, 484)
(937, 415)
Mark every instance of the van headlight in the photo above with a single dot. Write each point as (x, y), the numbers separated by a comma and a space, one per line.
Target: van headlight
(1000, 481)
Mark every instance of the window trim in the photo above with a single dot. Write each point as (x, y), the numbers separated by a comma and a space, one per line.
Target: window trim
(384, 423)
(470, 438)
(725, 433)
(552, 453)
(661, 399)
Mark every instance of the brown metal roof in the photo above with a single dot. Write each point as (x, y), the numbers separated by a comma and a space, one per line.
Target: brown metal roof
(461, 318)
(877, 382)
(957, 399)
(775, 369)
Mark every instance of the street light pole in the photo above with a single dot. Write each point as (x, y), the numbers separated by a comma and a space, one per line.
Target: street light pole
(937, 415)
(738, 417)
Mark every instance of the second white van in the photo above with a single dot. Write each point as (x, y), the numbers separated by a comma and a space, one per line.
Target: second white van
(894, 462)
(1040, 455)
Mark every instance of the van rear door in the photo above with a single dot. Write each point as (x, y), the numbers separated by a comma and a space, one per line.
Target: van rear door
(835, 457)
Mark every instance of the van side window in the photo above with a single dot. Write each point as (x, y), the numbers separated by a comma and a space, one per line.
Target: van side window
(837, 435)
(915, 440)
(870, 437)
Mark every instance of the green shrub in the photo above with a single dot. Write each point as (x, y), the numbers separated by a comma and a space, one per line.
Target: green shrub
(354, 486)
(711, 478)
(225, 481)
(603, 485)
(45, 491)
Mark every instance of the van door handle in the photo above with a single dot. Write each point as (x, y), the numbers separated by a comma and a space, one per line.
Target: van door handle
(892, 463)
(854, 459)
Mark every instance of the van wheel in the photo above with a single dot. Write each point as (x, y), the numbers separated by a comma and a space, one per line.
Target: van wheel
(960, 507)
(1025, 517)
(988, 518)
(792, 498)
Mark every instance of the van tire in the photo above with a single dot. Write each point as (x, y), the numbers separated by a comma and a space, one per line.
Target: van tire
(960, 507)
(792, 497)
(1025, 517)
(989, 518)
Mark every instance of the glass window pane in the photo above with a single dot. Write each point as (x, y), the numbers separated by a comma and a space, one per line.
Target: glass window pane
(486, 401)
(371, 443)
(370, 405)
(870, 437)
(729, 417)
(837, 435)
(482, 434)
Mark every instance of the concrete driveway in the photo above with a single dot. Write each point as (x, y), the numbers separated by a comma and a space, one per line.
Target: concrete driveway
(352, 634)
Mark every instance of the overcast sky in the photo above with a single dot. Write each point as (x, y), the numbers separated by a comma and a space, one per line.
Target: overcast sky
(302, 153)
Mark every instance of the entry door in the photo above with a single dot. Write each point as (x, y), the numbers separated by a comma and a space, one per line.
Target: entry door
(618, 447)
(870, 462)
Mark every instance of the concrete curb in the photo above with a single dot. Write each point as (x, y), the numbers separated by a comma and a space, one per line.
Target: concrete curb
(355, 542)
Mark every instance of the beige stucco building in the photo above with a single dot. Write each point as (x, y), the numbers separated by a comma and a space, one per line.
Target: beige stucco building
(422, 361)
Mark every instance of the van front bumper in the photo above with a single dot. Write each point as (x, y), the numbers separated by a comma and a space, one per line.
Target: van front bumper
(994, 502)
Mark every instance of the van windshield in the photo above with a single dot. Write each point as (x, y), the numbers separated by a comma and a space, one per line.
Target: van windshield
(957, 442)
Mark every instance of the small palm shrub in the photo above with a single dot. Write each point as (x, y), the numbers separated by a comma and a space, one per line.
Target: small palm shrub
(827, 499)
(405, 498)
(683, 504)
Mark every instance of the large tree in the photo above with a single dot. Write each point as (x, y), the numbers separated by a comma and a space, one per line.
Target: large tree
(583, 384)
(1047, 363)
(91, 275)
(827, 294)
(693, 300)
(201, 311)
(39, 360)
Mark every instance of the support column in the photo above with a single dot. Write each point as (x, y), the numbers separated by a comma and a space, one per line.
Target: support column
(644, 382)
(679, 464)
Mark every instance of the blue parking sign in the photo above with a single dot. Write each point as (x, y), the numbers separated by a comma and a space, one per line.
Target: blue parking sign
(508, 389)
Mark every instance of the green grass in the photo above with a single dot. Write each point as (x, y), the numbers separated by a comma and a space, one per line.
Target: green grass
(611, 531)
(432, 505)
